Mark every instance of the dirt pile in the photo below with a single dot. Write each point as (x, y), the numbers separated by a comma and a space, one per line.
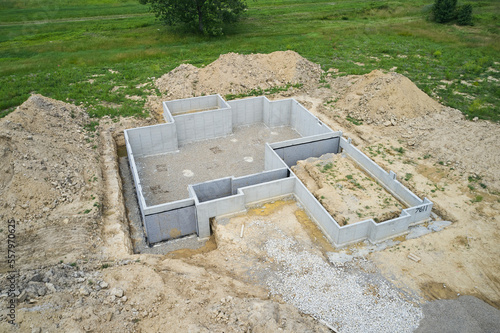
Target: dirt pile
(49, 180)
(235, 73)
(385, 98)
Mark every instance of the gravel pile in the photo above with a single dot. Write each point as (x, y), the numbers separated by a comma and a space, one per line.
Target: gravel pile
(348, 299)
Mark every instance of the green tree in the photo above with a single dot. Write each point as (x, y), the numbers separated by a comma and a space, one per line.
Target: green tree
(444, 10)
(207, 16)
(464, 15)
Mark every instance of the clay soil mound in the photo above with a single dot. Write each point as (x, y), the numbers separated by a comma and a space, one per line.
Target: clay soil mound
(235, 73)
(378, 97)
(49, 180)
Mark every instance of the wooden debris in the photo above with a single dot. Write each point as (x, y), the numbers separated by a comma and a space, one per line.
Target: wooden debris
(414, 257)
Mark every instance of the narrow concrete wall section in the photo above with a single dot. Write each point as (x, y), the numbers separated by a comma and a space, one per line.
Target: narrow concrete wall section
(295, 150)
(208, 117)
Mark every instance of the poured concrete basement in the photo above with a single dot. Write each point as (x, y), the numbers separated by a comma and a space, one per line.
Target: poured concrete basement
(165, 177)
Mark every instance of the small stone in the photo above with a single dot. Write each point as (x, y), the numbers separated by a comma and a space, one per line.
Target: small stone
(50, 287)
(42, 291)
(118, 292)
(104, 285)
(84, 290)
(22, 296)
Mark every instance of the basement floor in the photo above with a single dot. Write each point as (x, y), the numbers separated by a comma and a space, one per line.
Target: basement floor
(165, 177)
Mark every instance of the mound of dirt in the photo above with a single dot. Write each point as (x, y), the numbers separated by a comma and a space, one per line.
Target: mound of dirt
(49, 180)
(377, 97)
(234, 73)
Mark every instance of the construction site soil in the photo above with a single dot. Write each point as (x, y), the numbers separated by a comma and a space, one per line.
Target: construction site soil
(347, 193)
(76, 271)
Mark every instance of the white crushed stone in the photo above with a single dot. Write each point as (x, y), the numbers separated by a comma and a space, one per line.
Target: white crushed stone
(348, 299)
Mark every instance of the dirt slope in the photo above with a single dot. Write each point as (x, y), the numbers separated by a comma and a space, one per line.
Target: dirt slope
(49, 181)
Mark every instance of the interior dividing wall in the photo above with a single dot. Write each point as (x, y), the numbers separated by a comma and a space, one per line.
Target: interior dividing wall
(295, 150)
(272, 160)
(213, 189)
(258, 178)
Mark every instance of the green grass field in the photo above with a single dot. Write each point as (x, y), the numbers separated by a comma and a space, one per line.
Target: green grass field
(54, 47)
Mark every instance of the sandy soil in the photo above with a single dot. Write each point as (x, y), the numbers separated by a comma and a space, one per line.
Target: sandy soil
(60, 181)
(347, 193)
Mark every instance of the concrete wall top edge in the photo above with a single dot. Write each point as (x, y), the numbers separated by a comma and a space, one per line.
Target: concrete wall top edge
(195, 103)
(145, 127)
(306, 139)
(185, 115)
(169, 206)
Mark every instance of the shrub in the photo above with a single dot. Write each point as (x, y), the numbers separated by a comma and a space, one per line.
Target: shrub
(444, 10)
(464, 15)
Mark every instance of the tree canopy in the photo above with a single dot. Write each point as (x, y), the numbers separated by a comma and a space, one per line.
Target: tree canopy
(207, 16)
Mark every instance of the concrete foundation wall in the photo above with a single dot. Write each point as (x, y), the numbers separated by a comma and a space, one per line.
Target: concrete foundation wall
(231, 195)
(383, 230)
(387, 180)
(272, 160)
(135, 176)
(171, 224)
(217, 207)
(180, 106)
(305, 123)
(203, 125)
(300, 149)
(149, 210)
(247, 111)
(353, 233)
(258, 178)
(266, 191)
(213, 189)
(317, 212)
(278, 113)
(151, 140)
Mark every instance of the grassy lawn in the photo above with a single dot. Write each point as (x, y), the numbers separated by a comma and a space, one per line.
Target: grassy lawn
(65, 49)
